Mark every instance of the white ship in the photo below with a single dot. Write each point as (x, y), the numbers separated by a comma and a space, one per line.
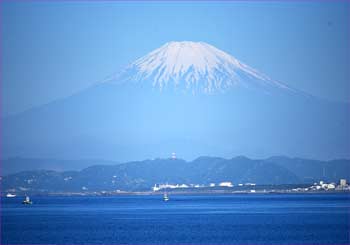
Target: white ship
(10, 195)
(27, 200)
(165, 197)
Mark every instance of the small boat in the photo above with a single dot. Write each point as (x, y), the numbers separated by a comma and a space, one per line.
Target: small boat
(165, 197)
(27, 201)
(10, 195)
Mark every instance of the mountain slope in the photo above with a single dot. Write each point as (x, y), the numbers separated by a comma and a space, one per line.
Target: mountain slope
(18, 164)
(194, 66)
(310, 170)
(127, 119)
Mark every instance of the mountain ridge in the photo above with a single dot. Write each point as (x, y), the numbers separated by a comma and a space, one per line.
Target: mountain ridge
(143, 175)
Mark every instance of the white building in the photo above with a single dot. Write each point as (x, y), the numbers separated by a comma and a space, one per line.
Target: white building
(324, 186)
(226, 184)
(168, 186)
(342, 182)
(156, 188)
(250, 184)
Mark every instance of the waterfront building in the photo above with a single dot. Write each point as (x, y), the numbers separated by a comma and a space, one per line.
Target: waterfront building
(156, 188)
(342, 182)
(226, 184)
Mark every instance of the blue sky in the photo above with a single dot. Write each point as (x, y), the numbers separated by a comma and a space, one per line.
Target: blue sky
(53, 49)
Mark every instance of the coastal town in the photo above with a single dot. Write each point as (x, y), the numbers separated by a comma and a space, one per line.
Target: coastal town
(225, 187)
(228, 186)
(176, 176)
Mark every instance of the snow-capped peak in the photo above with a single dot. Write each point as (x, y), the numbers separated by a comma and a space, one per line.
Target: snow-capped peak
(194, 65)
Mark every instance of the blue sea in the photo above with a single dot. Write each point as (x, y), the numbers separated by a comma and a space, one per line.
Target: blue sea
(184, 219)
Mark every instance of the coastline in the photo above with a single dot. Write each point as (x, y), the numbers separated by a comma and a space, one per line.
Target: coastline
(190, 193)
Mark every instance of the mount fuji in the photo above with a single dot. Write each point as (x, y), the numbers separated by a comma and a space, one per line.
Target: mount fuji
(194, 66)
(185, 97)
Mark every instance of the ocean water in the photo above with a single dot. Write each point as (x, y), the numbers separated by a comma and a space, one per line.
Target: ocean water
(185, 219)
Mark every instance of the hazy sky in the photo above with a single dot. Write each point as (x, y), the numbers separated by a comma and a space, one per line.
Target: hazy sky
(53, 49)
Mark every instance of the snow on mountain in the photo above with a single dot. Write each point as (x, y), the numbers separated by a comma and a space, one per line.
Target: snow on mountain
(197, 66)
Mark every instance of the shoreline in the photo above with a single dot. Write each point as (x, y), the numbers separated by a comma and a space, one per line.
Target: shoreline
(175, 193)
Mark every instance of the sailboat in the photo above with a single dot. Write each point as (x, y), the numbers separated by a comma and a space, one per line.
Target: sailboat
(27, 201)
(165, 197)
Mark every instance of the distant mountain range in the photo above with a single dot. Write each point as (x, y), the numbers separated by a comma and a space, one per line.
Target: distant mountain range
(20, 164)
(142, 175)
